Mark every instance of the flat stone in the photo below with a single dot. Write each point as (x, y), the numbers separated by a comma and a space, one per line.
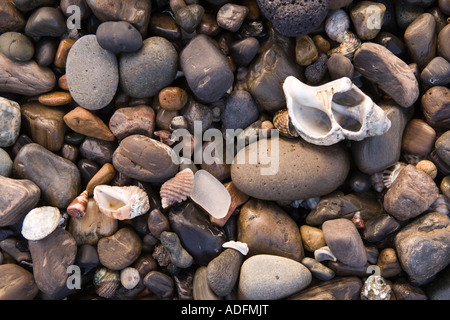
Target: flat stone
(87, 123)
(145, 159)
(160, 284)
(58, 178)
(301, 171)
(223, 271)
(10, 122)
(26, 78)
(412, 192)
(269, 277)
(92, 73)
(118, 36)
(344, 241)
(420, 38)
(16, 46)
(267, 229)
(390, 73)
(56, 98)
(44, 124)
(422, 246)
(19, 283)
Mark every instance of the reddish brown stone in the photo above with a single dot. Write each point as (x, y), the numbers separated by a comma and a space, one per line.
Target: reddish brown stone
(85, 122)
(173, 98)
(127, 121)
(56, 99)
(62, 52)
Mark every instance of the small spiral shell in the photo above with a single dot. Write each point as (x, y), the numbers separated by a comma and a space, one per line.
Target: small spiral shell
(77, 208)
(106, 282)
(377, 181)
(349, 45)
(282, 122)
(391, 173)
(177, 189)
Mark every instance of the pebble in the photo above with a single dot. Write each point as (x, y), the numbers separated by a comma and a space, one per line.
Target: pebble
(294, 18)
(57, 178)
(208, 25)
(21, 283)
(178, 255)
(367, 18)
(132, 120)
(377, 64)
(195, 111)
(231, 16)
(56, 98)
(173, 98)
(157, 223)
(418, 138)
(443, 46)
(435, 107)
(406, 13)
(206, 69)
(340, 288)
(322, 172)
(45, 125)
(336, 23)
(305, 50)
(404, 290)
(145, 159)
(160, 284)
(10, 122)
(436, 73)
(343, 239)
(315, 72)
(16, 46)
(322, 44)
(93, 226)
(19, 196)
(100, 151)
(118, 36)
(163, 25)
(222, 272)
(243, 51)
(5, 163)
(412, 192)
(87, 123)
(189, 17)
(153, 67)
(340, 66)
(420, 39)
(442, 147)
(240, 110)
(92, 73)
(393, 43)
(11, 18)
(45, 51)
(388, 263)
(102, 176)
(378, 228)
(61, 53)
(119, 250)
(200, 287)
(198, 235)
(312, 238)
(318, 270)
(50, 262)
(437, 289)
(27, 78)
(46, 22)
(270, 277)
(420, 246)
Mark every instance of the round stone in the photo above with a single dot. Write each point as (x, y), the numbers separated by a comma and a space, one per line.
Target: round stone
(5, 163)
(240, 110)
(119, 36)
(92, 73)
(336, 24)
(436, 73)
(145, 72)
(16, 46)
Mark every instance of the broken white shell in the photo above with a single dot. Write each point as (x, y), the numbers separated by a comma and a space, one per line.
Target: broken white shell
(338, 110)
(391, 173)
(121, 203)
(242, 247)
(40, 222)
(324, 253)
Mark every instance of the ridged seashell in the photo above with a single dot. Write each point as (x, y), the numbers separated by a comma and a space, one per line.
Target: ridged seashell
(121, 203)
(166, 137)
(106, 282)
(358, 220)
(177, 189)
(323, 254)
(242, 247)
(376, 288)
(413, 159)
(282, 122)
(441, 204)
(377, 181)
(77, 208)
(428, 167)
(40, 222)
(129, 277)
(348, 46)
(391, 173)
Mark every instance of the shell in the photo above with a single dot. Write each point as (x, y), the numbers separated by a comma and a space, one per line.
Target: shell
(391, 173)
(242, 247)
(40, 222)
(358, 220)
(348, 46)
(77, 208)
(338, 110)
(177, 189)
(376, 288)
(106, 282)
(377, 181)
(121, 203)
(428, 167)
(323, 254)
(282, 122)
(129, 277)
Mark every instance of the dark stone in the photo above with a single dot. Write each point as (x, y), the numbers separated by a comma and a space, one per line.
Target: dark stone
(163, 25)
(436, 73)
(197, 234)
(97, 150)
(439, 288)
(46, 49)
(11, 19)
(46, 22)
(160, 284)
(341, 288)
(28, 5)
(340, 66)
(118, 37)
(88, 169)
(195, 111)
(189, 17)
(21, 283)
(243, 51)
(393, 43)
(240, 110)
(87, 257)
(315, 72)
(436, 107)
(378, 228)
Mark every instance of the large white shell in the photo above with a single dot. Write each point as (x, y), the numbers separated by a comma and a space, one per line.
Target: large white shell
(338, 110)
(121, 203)
(40, 222)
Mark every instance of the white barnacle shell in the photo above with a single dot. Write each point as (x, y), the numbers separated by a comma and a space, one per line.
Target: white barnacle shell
(338, 110)
(121, 203)
(324, 253)
(40, 222)
(391, 173)
(376, 288)
(237, 245)
(129, 277)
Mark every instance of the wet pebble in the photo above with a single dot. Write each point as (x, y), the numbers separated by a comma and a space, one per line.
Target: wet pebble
(436, 73)
(22, 285)
(10, 122)
(240, 110)
(420, 39)
(231, 16)
(16, 46)
(45, 21)
(56, 98)
(61, 53)
(223, 272)
(118, 36)
(173, 98)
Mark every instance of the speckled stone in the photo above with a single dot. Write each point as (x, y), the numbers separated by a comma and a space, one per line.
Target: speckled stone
(16, 46)
(223, 271)
(10, 121)
(5, 163)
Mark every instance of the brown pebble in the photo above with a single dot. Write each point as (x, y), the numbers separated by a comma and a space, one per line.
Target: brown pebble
(85, 122)
(157, 222)
(322, 44)
(445, 186)
(388, 263)
(69, 152)
(428, 167)
(173, 98)
(103, 176)
(164, 118)
(238, 198)
(312, 238)
(55, 99)
(418, 138)
(62, 83)
(62, 52)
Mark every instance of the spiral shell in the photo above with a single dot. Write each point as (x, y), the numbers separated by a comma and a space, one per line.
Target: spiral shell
(77, 208)
(391, 173)
(177, 189)
(121, 203)
(106, 282)
(376, 288)
(377, 181)
(282, 122)
(358, 220)
(348, 46)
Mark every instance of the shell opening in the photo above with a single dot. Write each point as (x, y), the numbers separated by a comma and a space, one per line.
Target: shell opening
(107, 201)
(314, 121)
(346, 109)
